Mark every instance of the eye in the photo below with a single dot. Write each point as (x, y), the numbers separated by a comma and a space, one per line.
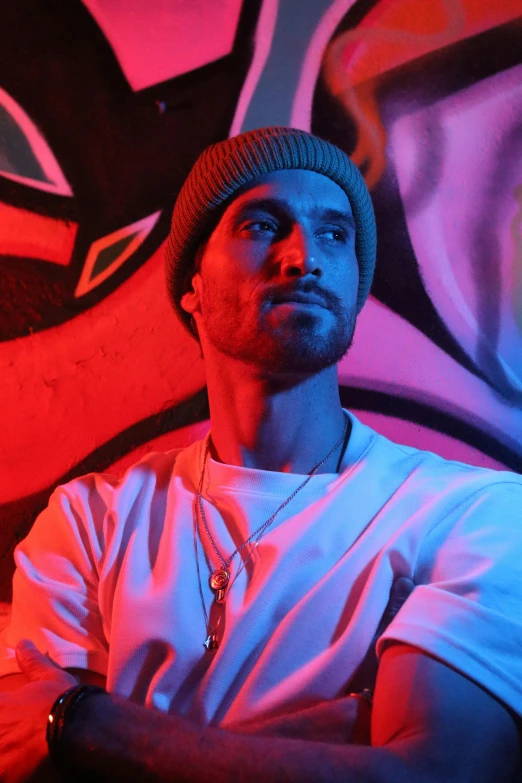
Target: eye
(263, 226)
(333, 234)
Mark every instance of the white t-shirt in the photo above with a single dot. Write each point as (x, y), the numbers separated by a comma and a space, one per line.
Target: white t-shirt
(107, 579)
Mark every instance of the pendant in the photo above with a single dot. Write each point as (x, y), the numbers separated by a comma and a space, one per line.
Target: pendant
(211, 642)
(218, 583)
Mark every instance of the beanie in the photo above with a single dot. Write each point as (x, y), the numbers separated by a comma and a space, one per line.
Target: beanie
(225, 167)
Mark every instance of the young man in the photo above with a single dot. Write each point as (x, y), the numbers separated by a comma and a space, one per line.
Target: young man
(229, 596)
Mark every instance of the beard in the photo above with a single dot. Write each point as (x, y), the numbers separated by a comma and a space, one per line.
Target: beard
(303, 342)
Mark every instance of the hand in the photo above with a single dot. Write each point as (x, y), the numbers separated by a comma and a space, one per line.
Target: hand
(23, 717)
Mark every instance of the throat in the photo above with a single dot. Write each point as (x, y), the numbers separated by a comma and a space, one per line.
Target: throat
(306, 455)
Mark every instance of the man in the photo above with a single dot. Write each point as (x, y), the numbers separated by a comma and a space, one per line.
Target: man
(229, 595)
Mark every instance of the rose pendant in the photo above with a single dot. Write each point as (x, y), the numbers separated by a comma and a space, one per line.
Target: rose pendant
(218, 583)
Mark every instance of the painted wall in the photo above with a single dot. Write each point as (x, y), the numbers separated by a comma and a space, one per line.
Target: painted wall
(104, 106)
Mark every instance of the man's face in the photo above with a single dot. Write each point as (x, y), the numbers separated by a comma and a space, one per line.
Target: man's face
(277, 280)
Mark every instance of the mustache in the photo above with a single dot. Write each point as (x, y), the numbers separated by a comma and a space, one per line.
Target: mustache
(273, 294)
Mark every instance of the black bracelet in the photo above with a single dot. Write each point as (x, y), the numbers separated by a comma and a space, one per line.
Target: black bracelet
(61, 712)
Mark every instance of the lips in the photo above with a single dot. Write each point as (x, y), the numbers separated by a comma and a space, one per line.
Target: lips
(299, 297)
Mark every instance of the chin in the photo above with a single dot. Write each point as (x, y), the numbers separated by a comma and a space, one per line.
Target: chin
(303, 354)
(309, 361)
(301, 349)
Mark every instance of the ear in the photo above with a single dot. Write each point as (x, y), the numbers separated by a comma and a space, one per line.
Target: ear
(191, 299)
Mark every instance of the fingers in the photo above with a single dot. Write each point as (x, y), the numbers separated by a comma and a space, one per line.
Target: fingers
(26, 649)
(33, 663)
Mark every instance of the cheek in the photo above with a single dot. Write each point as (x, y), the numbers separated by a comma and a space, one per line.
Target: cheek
(237, 257)
(354, 275)
(232, 275)
(222, 292)
(353, 270)
(345, 277)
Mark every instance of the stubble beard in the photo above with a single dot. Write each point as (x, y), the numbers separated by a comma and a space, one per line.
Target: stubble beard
(300, 345)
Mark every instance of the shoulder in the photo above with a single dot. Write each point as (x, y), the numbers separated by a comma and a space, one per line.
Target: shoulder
(157, 468)
(424, 471)
(97, 502)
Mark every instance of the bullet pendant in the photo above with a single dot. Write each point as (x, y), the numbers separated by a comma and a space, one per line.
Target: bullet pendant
(211, 642)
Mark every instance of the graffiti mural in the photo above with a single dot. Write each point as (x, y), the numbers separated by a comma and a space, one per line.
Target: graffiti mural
(104, 106)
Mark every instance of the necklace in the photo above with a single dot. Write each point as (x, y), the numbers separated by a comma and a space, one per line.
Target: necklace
(219, 579)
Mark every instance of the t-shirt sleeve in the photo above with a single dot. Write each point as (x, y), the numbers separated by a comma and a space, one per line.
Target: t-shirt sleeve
(466, 609)
(55, 585)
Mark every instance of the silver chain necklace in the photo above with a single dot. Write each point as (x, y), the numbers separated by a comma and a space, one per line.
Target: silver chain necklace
(219, 579)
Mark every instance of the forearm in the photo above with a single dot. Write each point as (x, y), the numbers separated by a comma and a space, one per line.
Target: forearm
(124, 741)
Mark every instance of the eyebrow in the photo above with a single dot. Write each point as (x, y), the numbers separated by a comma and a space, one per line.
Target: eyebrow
(335, 215)
(279, 206)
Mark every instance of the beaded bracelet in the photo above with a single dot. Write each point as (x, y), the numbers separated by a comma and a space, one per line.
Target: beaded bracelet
(61, 712)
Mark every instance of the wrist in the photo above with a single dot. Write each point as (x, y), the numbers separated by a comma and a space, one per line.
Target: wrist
(59, 723)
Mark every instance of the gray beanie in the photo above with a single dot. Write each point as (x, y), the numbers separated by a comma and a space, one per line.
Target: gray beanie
(225, 167)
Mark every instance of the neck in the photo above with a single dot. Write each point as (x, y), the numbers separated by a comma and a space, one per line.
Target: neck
(272, 422)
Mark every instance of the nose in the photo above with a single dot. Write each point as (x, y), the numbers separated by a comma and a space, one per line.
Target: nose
(297, 254)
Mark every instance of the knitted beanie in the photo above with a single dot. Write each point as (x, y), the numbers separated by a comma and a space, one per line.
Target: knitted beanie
(223, 168)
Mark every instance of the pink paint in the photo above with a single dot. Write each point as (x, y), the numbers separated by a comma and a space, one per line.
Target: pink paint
(391, 356)
(56, 182)
(28, 235)
(141, 229)
(158, 40)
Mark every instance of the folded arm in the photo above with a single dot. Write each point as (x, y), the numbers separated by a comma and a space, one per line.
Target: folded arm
(429, 723)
